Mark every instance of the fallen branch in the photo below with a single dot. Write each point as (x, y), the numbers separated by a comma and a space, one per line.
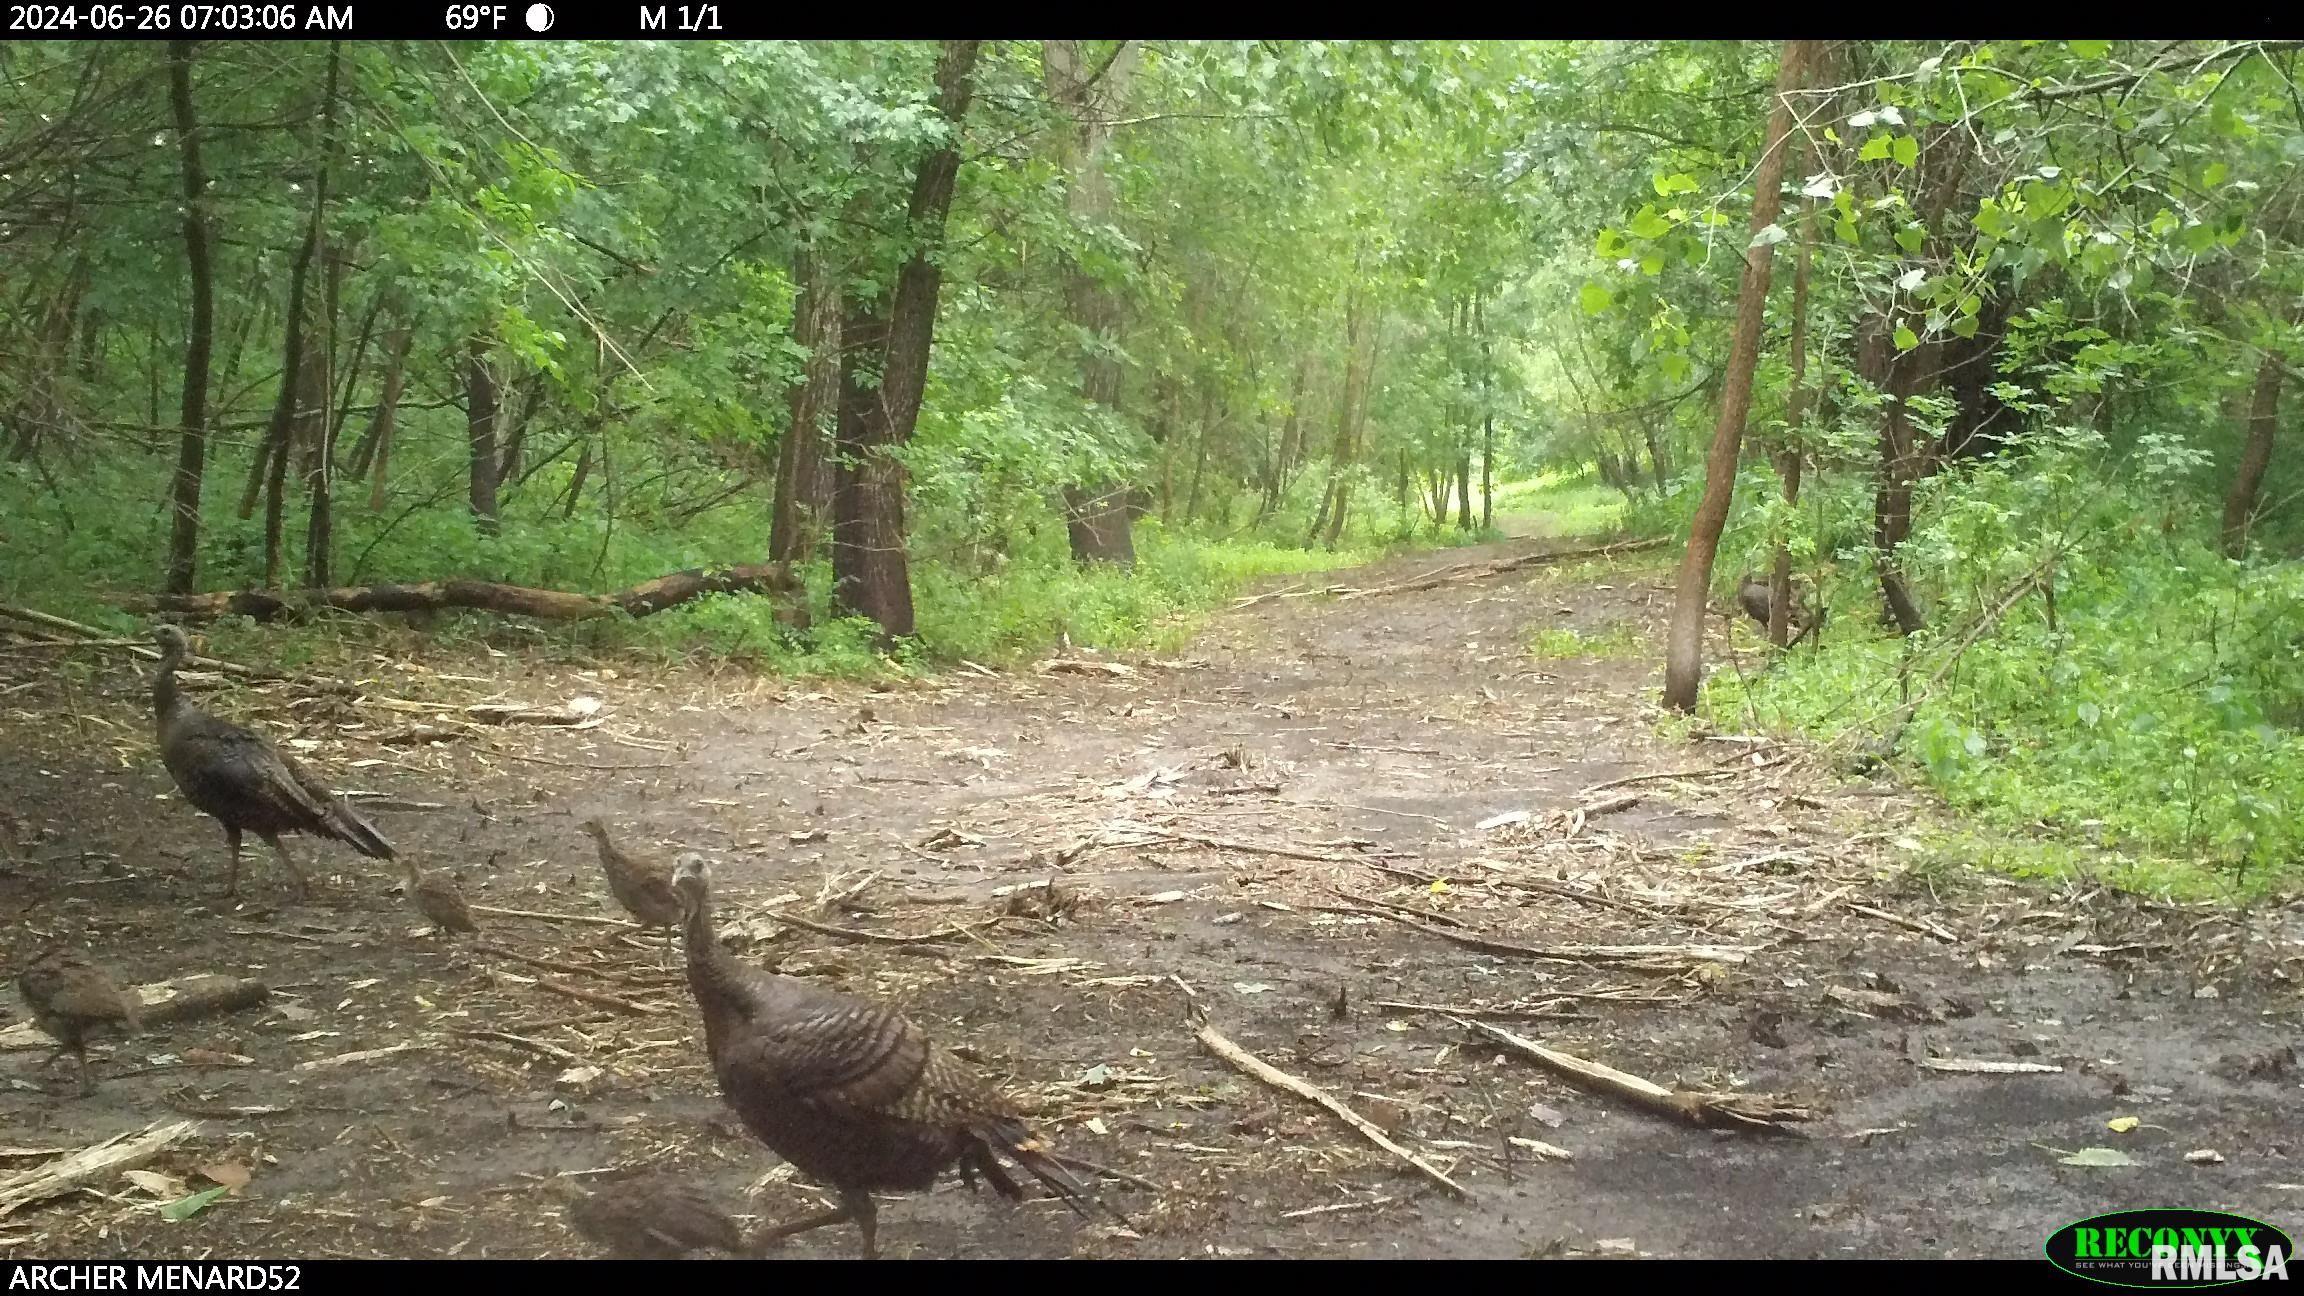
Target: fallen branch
(617, 1002)
(90, 1164)
(361, 1055)
(161, 1003)
(1529, 1012)
(644, 599)
(1481, 571)
(552, 1051)
(1215, 1042)
(1920, 925)
(1706, 772)
(1705, 1110)
(1573, 953)
(1983, 1066)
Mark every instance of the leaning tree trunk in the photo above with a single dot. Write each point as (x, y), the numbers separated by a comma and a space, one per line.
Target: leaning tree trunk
(192, 443)
(871, 570)
(803, 484)
(372, 458)
(287, 412)
(1684, 649)
(1095, 512)
(2256, 455)
(480, 432)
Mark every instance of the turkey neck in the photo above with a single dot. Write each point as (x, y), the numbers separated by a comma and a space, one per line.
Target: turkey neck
(713, 975)
(164, 698)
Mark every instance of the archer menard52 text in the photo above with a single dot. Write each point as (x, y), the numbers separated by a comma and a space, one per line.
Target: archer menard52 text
(27, 1277)
(100, 19)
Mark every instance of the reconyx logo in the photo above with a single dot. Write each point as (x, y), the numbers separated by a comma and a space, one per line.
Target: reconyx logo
(2171, 1248)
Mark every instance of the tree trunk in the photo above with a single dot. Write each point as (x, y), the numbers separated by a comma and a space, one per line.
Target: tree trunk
(192, 442)
(1899, 468)
(1788, 456)
(2256, 455)
(372, 457)
(1684, 651)
(480, 432)
(1487, 419)
(287, 408)
(319, 533)
(1091, 97)
(803, 477)
(872, 573)
(515, 435)
(1328, 524)
(1464, 491)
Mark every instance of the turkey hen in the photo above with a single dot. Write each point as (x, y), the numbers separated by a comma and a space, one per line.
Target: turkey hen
(652, 1219)
(643, 887)
(233, 774)
(849, 1092)
(1756, 598)
(71, 999)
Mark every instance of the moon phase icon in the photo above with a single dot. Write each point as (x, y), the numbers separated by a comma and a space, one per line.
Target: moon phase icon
(539, 17)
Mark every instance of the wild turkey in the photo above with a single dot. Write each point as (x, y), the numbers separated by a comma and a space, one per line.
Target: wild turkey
(652, 1219)
(71, 999)
(643, 887)
(438, 898)
(849, 1092)
(1755, 597)
(233, 774)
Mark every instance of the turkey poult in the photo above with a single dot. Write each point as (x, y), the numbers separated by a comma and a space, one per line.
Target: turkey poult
(652, 1219)
(849, 1092)
(71, 999)
(641, 886)
(233, 774)
(438, 898)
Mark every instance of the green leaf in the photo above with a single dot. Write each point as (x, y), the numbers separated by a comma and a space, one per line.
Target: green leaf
(1965, 326)
(1906, 339)
(1845, 230)
(1609, 245)
(1971, 304)
(1666, 186)
(2213, 175)
(1911, 238)
(1876, 147)
(1907, 150)
(184, 1208)
(1648, 223)
(1594, 298)
(1651, 264)
(2091, 50)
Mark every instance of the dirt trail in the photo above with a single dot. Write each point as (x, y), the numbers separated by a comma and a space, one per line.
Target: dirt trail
(1368, 739)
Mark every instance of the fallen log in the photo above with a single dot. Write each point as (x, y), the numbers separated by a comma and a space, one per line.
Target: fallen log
(644, 599)
(1762, 1112)
(91, 1165)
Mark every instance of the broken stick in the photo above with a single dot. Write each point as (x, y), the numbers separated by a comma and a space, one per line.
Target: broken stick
(1706, 1110)
(1215, 1042)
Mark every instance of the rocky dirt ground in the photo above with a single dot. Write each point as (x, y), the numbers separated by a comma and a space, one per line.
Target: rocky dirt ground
(1343, 827)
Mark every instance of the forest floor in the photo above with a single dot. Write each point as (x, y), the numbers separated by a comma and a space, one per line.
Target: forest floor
(1251, 821)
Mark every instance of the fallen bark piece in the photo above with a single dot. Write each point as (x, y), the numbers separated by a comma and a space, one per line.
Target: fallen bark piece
(161, 1003)
(1082, 666)
(1706, 1110)
(1983, 1066)
(90, 1164)
(1215, 1042)
(640, 600)
(362, 1055)
(1540, 1149)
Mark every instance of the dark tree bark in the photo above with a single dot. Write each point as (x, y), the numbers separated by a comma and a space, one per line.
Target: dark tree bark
(1900, 467)
(2256, 454)
(1684, 650)
(1464, 491)
(1096, 513)
(515, 434)
(803, 466)
(871, 570)
(1487, 419)
(480, 432)
(192, 441)
(1359, 346)
(645, 599)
